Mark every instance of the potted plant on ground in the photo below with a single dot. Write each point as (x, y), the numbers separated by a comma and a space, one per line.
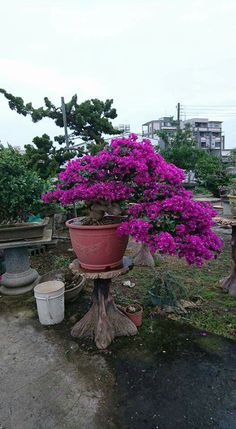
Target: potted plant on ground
(20, 191)
(130, 175)
(134, 313)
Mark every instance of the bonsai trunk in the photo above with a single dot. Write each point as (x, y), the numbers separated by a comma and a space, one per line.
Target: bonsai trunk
(98, 209)
(104, 321)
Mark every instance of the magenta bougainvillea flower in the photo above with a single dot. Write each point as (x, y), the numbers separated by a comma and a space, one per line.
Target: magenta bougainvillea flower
(161, 214)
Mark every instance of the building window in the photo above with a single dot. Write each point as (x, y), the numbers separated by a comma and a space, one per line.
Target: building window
(203, 144)
(217, 144)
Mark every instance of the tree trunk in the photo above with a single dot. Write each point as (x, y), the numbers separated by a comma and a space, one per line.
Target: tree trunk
(104, 321)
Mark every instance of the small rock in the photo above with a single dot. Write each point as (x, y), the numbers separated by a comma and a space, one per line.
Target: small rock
(128, 283)
(73, 346)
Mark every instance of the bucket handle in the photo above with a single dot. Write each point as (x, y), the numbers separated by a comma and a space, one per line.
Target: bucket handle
(48, 301)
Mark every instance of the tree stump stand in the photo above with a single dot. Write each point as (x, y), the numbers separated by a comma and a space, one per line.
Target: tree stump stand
(229, 282)
(104, 321)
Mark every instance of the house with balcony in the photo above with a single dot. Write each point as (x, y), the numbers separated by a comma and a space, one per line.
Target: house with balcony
(167, 123)
(207, 134)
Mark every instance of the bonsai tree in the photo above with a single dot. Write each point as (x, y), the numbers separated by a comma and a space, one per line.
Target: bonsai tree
(45, 158)
(88, 121)
(161, 213)
(20, 188)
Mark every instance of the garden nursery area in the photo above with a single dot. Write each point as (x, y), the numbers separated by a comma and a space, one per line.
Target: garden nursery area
(117, 291)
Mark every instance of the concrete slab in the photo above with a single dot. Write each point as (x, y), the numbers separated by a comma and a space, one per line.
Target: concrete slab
(171, 377)
(41, 386)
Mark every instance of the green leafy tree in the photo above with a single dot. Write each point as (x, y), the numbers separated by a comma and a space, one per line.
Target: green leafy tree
(232, 158)
(20, 187)
(45, 158)
(211, 172)
(89, 120)
(180, 148)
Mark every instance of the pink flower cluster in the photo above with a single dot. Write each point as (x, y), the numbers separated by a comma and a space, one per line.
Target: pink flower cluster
(177, 225)
(162, 215)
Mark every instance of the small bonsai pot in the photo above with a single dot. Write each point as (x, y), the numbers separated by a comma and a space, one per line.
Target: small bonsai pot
(73, 293)
(134, 313)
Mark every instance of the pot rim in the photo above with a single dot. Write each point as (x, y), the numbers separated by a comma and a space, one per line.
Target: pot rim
(81, 283)
(138, 306)
(70, 224)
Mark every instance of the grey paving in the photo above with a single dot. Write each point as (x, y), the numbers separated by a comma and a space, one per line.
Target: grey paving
(42, 385)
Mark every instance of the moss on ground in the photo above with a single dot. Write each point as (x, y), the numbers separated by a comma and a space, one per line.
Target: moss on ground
(217, 313)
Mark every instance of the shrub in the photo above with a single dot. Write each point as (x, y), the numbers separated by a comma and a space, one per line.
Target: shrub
(20, 188)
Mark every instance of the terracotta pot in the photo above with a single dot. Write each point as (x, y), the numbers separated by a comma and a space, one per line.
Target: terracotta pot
(137, 316)
(97, 247)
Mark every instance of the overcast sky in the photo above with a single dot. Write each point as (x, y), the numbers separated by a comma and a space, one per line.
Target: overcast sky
(145, 54)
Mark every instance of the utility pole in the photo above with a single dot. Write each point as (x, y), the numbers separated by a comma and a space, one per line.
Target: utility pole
(178, 114)
(63, 109)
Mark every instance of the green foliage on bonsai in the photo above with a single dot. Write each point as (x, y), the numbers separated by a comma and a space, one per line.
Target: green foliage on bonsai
(20, 187)
(45, 158)
(88, 120)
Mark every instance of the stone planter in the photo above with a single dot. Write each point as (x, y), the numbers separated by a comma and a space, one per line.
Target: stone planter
(22, 231)
(226, 206)
(232, 201)
(19, 277)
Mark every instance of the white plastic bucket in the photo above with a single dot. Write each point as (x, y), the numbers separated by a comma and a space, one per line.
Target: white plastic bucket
(50, 302)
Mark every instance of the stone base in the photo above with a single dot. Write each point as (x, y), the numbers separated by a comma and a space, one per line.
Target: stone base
(14, 291)
(19, 279)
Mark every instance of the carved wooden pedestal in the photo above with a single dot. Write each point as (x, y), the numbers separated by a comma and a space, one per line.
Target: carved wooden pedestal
(104, 321)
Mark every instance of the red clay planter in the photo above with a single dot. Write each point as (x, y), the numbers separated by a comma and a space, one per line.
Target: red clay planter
(135, 315)
(98, 247)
